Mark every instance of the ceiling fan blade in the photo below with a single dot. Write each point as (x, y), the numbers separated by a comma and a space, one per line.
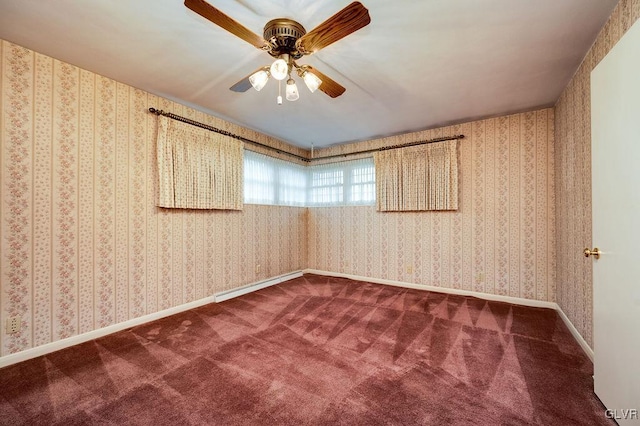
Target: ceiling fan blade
(214, 15)
(244, 84)
(328, 86)
(340, 25)
(241, 86)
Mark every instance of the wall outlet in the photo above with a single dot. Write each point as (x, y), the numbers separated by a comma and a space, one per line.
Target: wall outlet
(258, 269)
(13, 325)
(409, 269)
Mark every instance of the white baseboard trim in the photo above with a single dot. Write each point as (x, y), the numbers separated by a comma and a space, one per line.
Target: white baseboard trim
(230, 294)
(95, 334)
(508, 299)
(575, 333)
(486, 296)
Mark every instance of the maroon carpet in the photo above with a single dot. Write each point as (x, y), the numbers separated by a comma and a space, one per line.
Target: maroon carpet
(318, 350)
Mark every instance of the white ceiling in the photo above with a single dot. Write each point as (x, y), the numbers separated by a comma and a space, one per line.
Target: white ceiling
(418, 65)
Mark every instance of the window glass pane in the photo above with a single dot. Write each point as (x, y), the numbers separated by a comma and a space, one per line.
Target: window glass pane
(363, 188)
(363, 174)
(344, 183)
(327, 177)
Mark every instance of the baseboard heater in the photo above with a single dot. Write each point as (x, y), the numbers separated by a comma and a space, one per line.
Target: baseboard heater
(235, 292)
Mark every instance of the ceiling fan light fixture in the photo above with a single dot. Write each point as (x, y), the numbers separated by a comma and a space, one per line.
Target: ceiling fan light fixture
(259, 79)
(279, 69)
(292, 90)
(287, 41)
(312, 81)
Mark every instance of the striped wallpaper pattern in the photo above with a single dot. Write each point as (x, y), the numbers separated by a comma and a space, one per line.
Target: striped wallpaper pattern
(82, 244)
(573, 175)
(501, 239)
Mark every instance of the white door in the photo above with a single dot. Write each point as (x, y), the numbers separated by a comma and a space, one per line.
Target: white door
(615, 152)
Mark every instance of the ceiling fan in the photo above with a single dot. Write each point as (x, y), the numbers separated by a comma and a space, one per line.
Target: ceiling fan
(287, 41)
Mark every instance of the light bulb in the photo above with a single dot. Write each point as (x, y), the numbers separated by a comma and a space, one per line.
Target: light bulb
(279, 69)
(312, 81)
(292, 90)
(259, 79)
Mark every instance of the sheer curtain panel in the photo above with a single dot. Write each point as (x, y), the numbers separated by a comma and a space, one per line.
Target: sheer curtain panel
(417, 178)
(198, 168)
(269, 180)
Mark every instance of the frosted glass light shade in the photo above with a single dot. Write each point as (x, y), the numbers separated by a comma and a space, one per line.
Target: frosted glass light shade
(292, 90)
(279, 69)
(259, 79)
(312, 81)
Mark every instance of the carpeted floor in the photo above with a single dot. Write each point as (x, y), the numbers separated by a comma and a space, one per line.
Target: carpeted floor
(318, 350)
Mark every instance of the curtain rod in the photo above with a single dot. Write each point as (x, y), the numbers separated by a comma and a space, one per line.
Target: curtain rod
(222, 132)
(384, 148)
(232, 135)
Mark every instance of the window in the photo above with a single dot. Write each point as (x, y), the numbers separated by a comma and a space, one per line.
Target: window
(259, 178)
(345, 183)
(327, 186)
(363, 184)
(268, 180)
(292, 185)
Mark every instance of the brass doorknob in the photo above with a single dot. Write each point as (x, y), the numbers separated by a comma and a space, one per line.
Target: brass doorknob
(595, 252)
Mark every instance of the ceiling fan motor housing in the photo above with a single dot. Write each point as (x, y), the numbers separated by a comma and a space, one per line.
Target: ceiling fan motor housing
(282, 34)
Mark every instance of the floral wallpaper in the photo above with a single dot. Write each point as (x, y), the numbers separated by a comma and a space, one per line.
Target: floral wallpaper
(573, 176)
(500, 241)
(82, 245)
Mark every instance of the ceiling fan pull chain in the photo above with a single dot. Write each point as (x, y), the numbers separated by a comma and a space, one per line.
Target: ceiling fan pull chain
(279, 98)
